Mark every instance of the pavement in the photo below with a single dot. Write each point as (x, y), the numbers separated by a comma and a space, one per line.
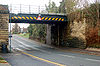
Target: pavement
(31, 53)
(5, 64)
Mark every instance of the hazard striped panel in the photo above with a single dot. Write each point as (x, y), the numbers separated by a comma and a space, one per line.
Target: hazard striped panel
(34, 18)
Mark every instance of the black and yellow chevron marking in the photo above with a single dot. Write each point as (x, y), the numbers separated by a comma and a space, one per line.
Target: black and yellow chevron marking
(27, 17)
(15, 17)
(34, 18)
(12, 18)
(49, 19)
(46, 18)
(42, 18)
(19, 17)
(53, 18)
(31, 18)
(23, 17)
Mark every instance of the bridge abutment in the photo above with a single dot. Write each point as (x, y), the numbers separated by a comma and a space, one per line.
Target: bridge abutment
(56, 34)
(4, 20)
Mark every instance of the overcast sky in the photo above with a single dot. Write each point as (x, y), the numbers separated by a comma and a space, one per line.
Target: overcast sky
(29, 2)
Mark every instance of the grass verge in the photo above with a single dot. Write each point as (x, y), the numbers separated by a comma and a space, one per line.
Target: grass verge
(2, 60)
(26, 35)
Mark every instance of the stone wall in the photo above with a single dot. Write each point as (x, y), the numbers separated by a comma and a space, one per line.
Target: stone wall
(4, 20)
(77, 33)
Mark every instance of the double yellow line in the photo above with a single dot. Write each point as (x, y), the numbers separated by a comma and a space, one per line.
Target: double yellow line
(42, 59)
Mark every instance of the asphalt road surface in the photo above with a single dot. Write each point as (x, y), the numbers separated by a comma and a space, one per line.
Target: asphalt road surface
(31, 53)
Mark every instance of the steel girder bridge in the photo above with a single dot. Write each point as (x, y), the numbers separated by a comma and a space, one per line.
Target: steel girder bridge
(34, 14)
(38, 18)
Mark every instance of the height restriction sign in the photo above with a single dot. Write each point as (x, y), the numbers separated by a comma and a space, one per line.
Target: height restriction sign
(39, 18)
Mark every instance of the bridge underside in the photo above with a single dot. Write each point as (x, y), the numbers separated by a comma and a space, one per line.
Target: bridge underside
(39, 19)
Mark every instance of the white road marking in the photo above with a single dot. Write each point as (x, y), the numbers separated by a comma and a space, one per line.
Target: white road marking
(19, 49)
(92, 60)
(23, 47)
(31, 46)
(80, 58)
(23, 43)
(67, 56)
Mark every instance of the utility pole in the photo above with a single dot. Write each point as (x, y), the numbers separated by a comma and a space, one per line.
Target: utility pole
(29, 10)
(20, 8)
(39, 9)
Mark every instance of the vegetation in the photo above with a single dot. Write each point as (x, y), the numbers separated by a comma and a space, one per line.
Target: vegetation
(91, 12)
(26, 35)
(62, 7)
(52, 8)
(37, 31)
(2, 60)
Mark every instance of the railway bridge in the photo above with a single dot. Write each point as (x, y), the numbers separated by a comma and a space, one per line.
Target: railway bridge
(55, 23)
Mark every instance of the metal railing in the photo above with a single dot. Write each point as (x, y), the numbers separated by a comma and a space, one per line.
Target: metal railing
(30, 9)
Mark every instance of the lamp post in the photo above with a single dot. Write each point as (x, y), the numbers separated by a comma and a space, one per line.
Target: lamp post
(10, 26)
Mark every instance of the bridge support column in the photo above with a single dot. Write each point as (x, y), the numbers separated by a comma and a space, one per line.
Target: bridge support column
(4, 20)
(48, 37)
(57, 33)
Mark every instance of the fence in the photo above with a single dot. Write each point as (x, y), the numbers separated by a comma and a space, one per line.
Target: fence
(31, 9)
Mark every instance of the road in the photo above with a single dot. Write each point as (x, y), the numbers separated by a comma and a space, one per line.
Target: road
(31, 53)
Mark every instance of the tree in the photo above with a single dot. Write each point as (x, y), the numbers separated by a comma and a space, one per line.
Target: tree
(62, 8)
(71, 5)
(37, 31)
(30, 30)
(52, 8)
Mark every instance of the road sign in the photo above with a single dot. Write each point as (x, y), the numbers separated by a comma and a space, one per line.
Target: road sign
(39, 18)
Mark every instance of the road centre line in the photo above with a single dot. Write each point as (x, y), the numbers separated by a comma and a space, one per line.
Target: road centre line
(58, 64)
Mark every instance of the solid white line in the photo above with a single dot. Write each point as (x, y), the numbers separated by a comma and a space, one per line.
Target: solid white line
(67, 56)
(19, 49)
(31, 46)
(23, 43)
(80, 58)
(92, 60)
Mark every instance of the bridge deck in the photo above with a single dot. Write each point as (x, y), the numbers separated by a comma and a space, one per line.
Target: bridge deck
(35, 18)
